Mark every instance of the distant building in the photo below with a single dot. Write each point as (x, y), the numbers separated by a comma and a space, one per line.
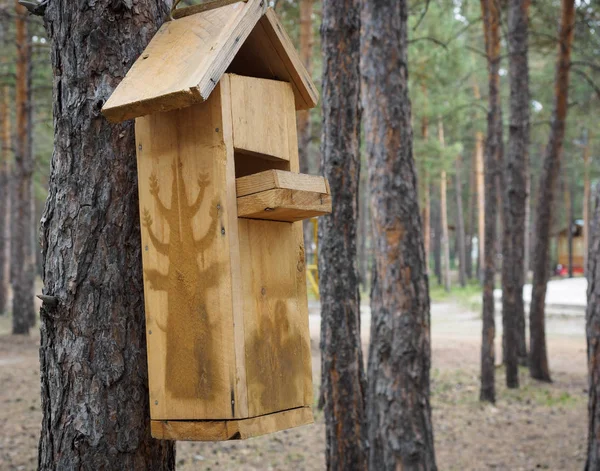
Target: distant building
(563, 248)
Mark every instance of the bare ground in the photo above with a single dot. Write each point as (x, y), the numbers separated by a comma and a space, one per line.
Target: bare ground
(539, 426)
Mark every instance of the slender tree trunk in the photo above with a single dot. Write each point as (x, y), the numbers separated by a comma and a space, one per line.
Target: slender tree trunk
(491, 25)
(424, 189)
(586, 201)
(471, 217)
(515, 189)
(445, 237)
(460, 225)
(593, 342)
(437, 244)
(303, 116)
(527, 230)
(4, 199)
(480, 202)
(93, 351)
(22, 276)
(538, 358)
(342, 370)
(399, 414)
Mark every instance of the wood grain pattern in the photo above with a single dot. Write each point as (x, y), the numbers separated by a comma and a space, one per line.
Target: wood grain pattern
(187, 245)
(261, 110)
(184, 61)
(231, 429)
(275, 316)
(201, 7)
(284, 205)
(272, 179)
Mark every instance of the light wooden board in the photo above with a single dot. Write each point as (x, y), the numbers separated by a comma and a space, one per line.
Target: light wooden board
(277, 337)
(269, 53)
(201, 7)
(184, 61)
(188, 235)
(272, 179)
(284, 205)
(231, 429)
(261, 111)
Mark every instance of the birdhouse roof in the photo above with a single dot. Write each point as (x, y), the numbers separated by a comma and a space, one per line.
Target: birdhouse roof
(188, 55)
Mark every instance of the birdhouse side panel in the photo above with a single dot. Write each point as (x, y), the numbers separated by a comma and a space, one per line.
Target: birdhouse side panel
(278, 359)
(186, 238)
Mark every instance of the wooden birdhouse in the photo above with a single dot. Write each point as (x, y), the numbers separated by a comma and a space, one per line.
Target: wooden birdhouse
(214, 97)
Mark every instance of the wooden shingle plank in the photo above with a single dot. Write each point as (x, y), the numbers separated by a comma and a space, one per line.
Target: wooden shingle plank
(272, 179)
(201, 7)
(184, 61)
(289, 56)
(284, 205)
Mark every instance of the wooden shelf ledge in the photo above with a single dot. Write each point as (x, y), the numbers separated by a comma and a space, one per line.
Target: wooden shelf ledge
(237, 429)
(278, 195)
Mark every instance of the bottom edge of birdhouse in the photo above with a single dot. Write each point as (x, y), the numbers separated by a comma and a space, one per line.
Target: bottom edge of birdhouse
(236, 429)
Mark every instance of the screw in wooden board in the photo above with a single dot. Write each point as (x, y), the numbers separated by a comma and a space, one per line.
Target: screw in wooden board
(218, 207)
(140, 147)
(149, 332)
(145, 56)
(263, 291)
(146, 248)
(222, 231)
(155, 403)
(269, 209)
(217, 130)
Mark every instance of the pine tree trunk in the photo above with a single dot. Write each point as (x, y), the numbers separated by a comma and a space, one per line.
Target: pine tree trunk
(460, 225)
(538, 357)
(398, 410)
(527, 230)
(93, 350)
(480, 203)
(470, 221)
(303, 116)
(586, 201)
(342, 370)
(437, 244)
(22, 271)
(4, 199)
(445, 237)
(515, 190)
(491, 25)
(424, 190)
(593, 342)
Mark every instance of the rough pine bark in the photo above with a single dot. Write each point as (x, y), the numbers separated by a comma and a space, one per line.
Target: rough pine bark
(491, 26)
(398, 409)
(93, 351)
(538, 357)
(515, 191)
(22, 270)
(460, 224)
(593, 342)
(342, 370)
(4, 199)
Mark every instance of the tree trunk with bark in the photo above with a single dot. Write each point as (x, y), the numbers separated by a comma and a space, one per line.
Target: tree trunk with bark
(471, 217)
(527, 230)
(93, 351)
(342, 371)
(22, 270)
(436, 238)
(4, 199)
(444, 236)
(460, 225)
(538, 357)
(593, 342)
(398, 409)
(586, 200)
(491, 27)
(480, 203)
(515, 190)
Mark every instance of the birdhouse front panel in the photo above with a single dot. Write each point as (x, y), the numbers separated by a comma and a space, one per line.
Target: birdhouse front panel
(214, 96)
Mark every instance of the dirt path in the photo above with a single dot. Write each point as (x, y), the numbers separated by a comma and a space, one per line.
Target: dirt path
(540, 426)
